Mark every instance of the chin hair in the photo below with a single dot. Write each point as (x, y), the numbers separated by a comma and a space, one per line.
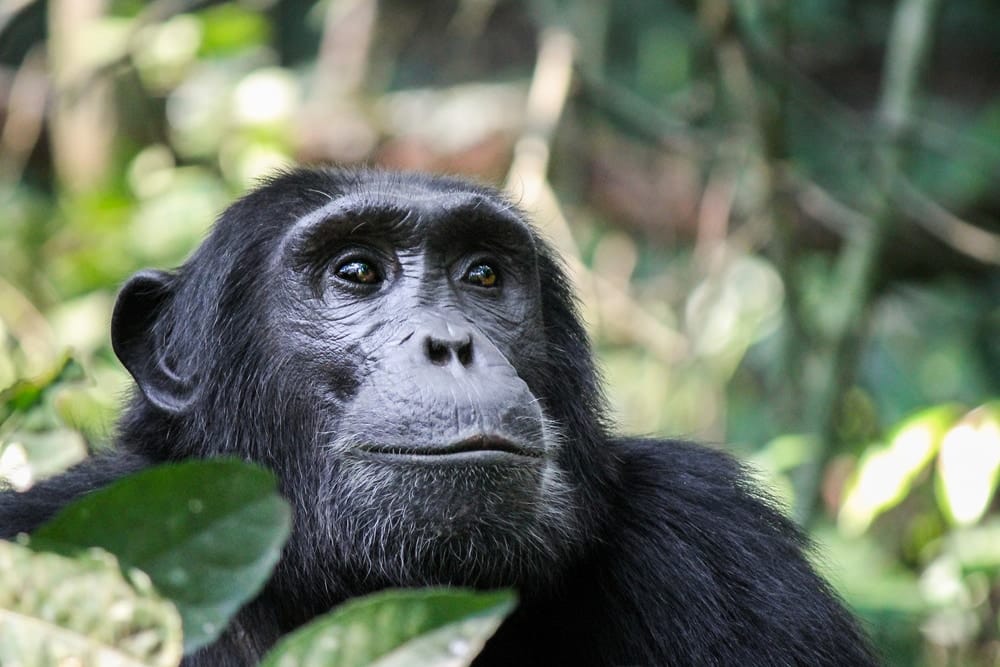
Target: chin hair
(473, 525)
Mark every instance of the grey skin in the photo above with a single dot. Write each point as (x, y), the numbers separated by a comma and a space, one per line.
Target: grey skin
(440, 414)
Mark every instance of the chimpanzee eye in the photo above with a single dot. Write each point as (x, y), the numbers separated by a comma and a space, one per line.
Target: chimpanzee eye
(358, 271)
(482, 275)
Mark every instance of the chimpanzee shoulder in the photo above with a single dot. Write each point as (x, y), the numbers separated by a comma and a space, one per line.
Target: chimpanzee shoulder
(693, 566)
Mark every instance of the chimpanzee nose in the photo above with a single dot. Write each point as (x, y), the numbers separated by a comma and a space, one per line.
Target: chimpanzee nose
(441, 347)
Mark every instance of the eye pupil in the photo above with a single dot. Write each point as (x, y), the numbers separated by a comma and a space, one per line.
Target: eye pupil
(357, 271)
(482, 275)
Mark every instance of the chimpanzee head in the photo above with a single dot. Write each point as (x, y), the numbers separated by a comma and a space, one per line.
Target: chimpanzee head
(403, 351)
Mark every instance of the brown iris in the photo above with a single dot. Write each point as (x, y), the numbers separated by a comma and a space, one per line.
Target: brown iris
(482, 275)
(358, 271)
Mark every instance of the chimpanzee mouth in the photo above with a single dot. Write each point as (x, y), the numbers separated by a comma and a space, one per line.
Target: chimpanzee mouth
(477, 448)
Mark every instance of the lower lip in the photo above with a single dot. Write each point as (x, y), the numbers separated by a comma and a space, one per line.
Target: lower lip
(473, 457)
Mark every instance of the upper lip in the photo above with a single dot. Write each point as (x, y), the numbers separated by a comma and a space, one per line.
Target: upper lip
(476, 443)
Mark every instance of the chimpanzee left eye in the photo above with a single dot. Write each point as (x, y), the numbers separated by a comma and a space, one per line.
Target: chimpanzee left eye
(483, 275)
(358, 271)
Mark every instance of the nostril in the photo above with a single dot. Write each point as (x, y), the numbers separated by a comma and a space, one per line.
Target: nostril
(437, 352)
(464, 352)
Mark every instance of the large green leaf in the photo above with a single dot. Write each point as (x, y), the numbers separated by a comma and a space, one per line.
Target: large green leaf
(81, 611)
(404, 628)
(208, 534)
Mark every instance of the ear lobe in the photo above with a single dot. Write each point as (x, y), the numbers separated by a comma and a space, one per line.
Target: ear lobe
(140, 306)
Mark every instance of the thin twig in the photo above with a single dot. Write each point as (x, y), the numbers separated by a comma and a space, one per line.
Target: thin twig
(824, 207)
(546, 100)
(22, 128)
(643, 117)
(615, 309)
(960, 235)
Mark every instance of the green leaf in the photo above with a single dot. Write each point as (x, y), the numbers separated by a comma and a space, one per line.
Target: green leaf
(229, 29)
(81, 611)
(207, 533)
(24, 395)
(886, 473)
(976, 548)
(426, 628)
(969, 465)
(28, 456)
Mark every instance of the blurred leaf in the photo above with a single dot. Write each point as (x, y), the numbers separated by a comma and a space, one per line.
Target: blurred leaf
(165, 51)
(426, 628)
(865, 573)
(92, 409)
(952, 620)
(924, 349)
(732, 308)
(208, 534)
(29, 456)
(786, 452)
(34, 443)
(969, 465)
(81, 324)
(199, 110)
(977, 547)
(967, 175)
(24, 395)
(886, 473)
(87, 253)
(884, 593)
(81, 611)
(229, 28)
(779, 457)
(167, 225)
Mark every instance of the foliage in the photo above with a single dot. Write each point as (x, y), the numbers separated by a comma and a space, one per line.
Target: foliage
(207, 533)
(84, 591)
(82, 611)
(430, 627)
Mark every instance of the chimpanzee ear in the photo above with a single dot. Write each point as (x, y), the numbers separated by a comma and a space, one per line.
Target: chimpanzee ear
(140, 305)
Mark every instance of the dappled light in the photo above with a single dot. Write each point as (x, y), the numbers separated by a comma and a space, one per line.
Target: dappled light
(969, 465)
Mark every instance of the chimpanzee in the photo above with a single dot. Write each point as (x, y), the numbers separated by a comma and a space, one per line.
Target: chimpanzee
(404, 352)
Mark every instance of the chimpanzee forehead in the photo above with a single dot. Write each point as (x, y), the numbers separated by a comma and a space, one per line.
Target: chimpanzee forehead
(413, 207)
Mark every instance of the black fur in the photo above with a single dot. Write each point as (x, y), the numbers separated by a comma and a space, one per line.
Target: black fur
(624, 551)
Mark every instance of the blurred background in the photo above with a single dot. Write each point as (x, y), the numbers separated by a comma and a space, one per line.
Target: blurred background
(783, 219)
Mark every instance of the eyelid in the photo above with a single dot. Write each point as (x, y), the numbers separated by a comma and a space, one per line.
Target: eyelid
(359, 252)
